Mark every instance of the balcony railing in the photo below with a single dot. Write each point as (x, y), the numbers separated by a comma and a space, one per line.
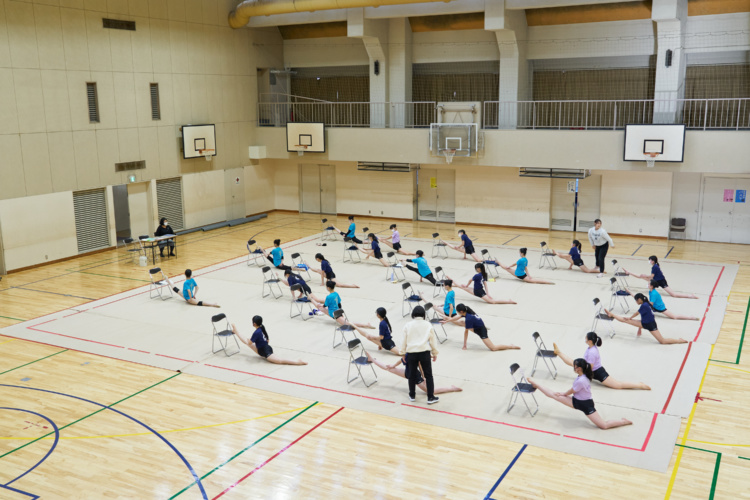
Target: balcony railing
(349, 114)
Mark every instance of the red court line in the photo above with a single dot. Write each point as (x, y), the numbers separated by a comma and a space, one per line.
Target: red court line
(277, 454)
(482, 419)
(77, 312)
(642, 448)
(300, 383)
(138, 350)
(71, 337)
(178, 359)
(677, 378)
(709, 304)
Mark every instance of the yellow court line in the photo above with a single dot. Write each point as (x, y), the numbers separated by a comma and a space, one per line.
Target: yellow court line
(730, 367)
(687, 430)
(721, 444)
(160, 432)
(11, 340)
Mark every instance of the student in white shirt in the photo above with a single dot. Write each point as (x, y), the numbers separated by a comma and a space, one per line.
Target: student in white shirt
(419, 344)
(600, 242)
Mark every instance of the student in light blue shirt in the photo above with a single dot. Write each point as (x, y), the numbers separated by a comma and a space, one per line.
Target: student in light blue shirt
(332, 303)
(190, 290)
(522, 270)
(657, 304)
(277, 256)
(422, 269)
(351, 232)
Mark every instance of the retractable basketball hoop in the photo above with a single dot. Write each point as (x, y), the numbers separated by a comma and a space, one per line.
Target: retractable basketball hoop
(449, 154)
(302, 149)
(208, 154)
(650, 159)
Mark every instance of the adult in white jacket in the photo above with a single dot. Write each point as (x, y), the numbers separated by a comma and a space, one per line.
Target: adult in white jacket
(418, 345)
(600, 242)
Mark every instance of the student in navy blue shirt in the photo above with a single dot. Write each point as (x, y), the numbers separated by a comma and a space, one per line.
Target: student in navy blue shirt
(574, 258)
(190, 290)
(276, 256)
(480, 287)
(326, 272)
(657, 276)
(374, 250)
(259, 343)
(290, 279)
(647, 320)
(383, 340)
(422, 269)
(466, 247)
(351, 232)
(522, 270)
(332, 304)
(474, 323)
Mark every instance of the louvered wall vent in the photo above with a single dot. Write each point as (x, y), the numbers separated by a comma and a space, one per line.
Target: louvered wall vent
(116, 24)
(130, 165)
(169, 199)
(92, 230)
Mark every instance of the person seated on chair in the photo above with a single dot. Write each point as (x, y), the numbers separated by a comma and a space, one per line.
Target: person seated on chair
(384, 340)
(351, 232)
(163, 230)
(290, 279)
(259, 343)
(277, 256)
(190, 290)
(474, 323)
(480, 289)
(332, 304)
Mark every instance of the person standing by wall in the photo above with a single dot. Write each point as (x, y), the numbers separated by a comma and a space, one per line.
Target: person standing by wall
(419, 344)
(600, 242)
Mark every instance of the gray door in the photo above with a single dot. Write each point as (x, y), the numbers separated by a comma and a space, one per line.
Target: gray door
(562, 204)
(309, 176)
(235, 193)
(427, 194)
(716, 214)
(589, 201)
(446, 196)
(328, 189)
(122, 211)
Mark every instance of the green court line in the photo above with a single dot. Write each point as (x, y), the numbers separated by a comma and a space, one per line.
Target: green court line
(716, 468)
(14, 319)
(743, 458)
(742, 340)
(89, 415)
(240, 452)
(32, 362)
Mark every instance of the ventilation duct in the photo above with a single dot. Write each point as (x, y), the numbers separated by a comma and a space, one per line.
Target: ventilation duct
(383, 167)
(554, 173)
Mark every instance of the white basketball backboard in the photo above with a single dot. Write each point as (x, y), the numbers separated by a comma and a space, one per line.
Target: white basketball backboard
(198, 140)
(305, 137)
(667, 141)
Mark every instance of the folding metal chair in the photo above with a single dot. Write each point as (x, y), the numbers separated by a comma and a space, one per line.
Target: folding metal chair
(548, 257)
(621, 275)
(299, 265)
(351, 250)
(222, 336)
(365, 240)
(411, 299)
(299, 303)
(600, 315)
(341, 329)
(490, 264)
(437, 246)
(436, 321)
(255, 255)
(520, 387)
(391, 272)
(619, 296)
(328, 233)
(158, 284)
(439, 282)
(134, 249)
(270, 279)
(544, 354)
(358, 359)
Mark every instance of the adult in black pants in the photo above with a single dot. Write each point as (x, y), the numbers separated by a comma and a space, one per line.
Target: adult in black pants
(600, 242)
(163, 230)
(420, 346)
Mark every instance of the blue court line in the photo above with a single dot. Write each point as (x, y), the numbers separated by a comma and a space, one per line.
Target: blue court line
(636, 250)
(670, 251)
(513, 238)
(49, 452)
(505, 473)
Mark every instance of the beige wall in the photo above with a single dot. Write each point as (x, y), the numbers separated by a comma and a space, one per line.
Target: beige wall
(203, 198)
(259, 189)
(386, 194)
(636, 202)
(141, 210)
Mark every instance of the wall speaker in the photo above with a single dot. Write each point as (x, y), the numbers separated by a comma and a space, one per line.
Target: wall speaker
(668, 58)
(376, 68)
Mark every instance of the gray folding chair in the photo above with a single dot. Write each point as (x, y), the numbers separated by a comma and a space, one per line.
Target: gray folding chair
(340, 329)
(436, 321)
(621, 275)
(411, 299)
(600, 315)
(490, 264)
(158, 285)
(255, 256)
(134, 249)
(298, 303)
(677, 225)
(439, 282)
(544, 354)
(222, 336)
(548, 257)
(269, 280)
(328, 233)
(521, 386)
(351, 251)
(438, 247)
(392, 272)
(299, 265)
(619, 296)
(358, 358)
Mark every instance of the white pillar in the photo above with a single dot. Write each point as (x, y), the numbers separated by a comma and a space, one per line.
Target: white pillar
(670, 17)
(399, 72)
(374, 35)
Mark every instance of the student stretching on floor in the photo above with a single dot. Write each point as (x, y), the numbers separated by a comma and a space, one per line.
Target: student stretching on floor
(351, 232)
(449, 306)
(190, 290)
(579, 396)
(277, 256)
(647, 321)
(290, 279)
(326, 272)
(259, 343)
(375, 250)
(466, 247)
(657, 276)
(475, 324)
(384, 340)
(422, 269)
(480, 287)
(394, 241)
(522, 270)
(657, 304)
(333, 304)
(599, 373)
(400, 371)
(574, 258)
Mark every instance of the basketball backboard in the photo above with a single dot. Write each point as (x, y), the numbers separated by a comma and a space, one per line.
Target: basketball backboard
(464, 138)
(305, 137)
(197, 139)
(667, 142)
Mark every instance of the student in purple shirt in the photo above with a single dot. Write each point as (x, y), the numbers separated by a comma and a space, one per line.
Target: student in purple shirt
(466, 247)
(579, 397)
(259, 343)
(394, 241)
(647, 320)
(657, 276)
(593, 341)
(383, 340)
(472, 322)
(574, 258)
(479, 289)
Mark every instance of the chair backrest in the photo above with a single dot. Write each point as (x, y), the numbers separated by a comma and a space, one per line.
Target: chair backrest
(614, 262)
(390, 254)
(338, 313)
(438, 269)
(295, 256)
(352, 344)
(542, 244)
(323, 220)
(435, 235)
(535, 335)
(265, 269)
(613, 280)
(127, 241)
(514, 368)
(143, 237)
(485, 252)
(427, 306)
(679, 222)
(365, 229)
(218, 317)
(347, 239)
(405, 286)
(155, 270)
(596, 302)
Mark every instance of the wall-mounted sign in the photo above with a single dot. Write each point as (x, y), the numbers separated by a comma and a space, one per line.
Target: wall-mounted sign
(729, 195)
(740, 196)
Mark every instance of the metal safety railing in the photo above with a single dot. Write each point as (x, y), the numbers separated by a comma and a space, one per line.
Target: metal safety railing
(349, 114)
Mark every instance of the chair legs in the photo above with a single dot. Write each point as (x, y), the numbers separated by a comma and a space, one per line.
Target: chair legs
(544, 359)
(358, 362)
(392, 273)
(300, 307)
(514, 397)
(271, 290)
(224, 344)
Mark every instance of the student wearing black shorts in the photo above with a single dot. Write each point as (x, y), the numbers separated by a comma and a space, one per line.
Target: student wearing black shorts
(290, 279)
(394, 241)
(259, 343)
(374, 250)
(480, 287)
(574, 258)
(399, 368)
(351, 232)
(592, 357)
(466, 247)
(647, 320)
(474, 323)
(579, 397)
(383, 340)
(326, 272)
(658, 277)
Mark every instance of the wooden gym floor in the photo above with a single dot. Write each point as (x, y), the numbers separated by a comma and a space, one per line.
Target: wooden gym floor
(76, 425)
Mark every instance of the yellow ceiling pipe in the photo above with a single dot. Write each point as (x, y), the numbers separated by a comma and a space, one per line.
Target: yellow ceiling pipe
(239, 17)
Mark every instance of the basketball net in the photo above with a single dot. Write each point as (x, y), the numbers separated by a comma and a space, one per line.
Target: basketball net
(301, 152)
(207, 153)
(449, 154)
(650, 159)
